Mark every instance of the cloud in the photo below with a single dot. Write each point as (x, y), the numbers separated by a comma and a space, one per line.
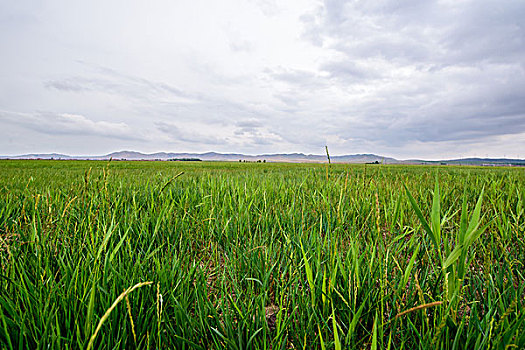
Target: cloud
(109, 81)
(305, 79)
(408, 71)
(176, 134)
(241, 46)
(249, 123)
(70, 85)
(267, 7)
(69, 124)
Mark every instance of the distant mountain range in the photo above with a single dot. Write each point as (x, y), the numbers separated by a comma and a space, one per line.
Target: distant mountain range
(284, 157)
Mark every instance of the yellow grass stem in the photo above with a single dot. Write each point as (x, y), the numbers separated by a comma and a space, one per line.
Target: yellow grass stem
(114, 305)
(67, 205)
(131, 320)
(419, 307)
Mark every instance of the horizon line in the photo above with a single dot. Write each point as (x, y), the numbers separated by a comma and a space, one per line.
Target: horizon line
(139, 153)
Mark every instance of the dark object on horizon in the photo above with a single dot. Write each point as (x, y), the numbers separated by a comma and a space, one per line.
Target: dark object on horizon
(185, 160)
(376, 162)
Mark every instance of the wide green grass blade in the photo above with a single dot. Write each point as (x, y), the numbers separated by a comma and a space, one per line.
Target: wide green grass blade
(309, 275)
(337, 342)
(453, 256)
(435, 216)
(423, 221)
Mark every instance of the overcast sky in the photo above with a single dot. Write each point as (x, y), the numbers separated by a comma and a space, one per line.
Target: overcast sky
(407, 79)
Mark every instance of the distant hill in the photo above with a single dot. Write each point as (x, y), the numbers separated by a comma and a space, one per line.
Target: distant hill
(278, 157)
(213, 156)
(40, 156)
(283, 157)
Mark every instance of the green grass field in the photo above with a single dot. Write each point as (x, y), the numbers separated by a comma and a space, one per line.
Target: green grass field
(260, 256)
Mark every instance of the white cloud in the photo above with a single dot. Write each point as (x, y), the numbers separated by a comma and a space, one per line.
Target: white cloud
(69, 124)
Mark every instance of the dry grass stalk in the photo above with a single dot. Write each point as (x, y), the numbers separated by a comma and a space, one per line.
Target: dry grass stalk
(419, 307)
(114, 305)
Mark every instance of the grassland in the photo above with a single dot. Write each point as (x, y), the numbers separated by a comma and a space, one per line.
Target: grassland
(268, 256)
